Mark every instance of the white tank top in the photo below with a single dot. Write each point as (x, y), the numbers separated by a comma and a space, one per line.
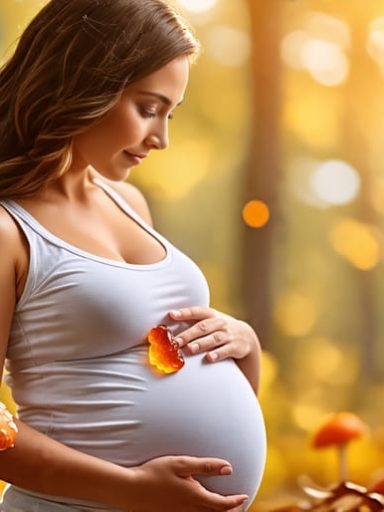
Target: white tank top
(78, 367)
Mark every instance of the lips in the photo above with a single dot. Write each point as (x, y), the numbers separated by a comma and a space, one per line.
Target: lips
(137, 155)
(134, 157)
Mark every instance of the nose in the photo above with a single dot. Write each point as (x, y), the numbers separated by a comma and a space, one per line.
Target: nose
(158, 139)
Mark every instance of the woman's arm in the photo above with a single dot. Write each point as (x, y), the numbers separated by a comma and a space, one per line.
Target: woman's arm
(41, 464)
(250, 364)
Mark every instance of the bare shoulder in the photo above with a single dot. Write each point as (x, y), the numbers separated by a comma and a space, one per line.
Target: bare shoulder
(134, 197)
(9, 232)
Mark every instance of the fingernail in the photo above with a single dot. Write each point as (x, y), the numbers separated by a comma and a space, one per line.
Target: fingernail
(213, 356)
(226, 470)
(194, 348)
(179, 341)
(175, 313)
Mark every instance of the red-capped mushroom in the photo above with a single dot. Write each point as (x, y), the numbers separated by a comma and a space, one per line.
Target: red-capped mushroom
(339, 430)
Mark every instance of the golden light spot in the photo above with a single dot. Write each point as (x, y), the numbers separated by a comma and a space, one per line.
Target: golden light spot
(328, 362)
(307, 416)
(311, 117)
(357, 242)
(256, 214)
(269, 371)
(295, 313)
(325, 61)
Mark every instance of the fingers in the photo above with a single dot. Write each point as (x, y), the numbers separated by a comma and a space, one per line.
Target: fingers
(201, 330)
(210, 342)
(226, 503)
(193, 313)
(188, 466)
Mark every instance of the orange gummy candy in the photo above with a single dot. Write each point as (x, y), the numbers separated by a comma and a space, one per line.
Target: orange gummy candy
(164, 352)
(8, 429)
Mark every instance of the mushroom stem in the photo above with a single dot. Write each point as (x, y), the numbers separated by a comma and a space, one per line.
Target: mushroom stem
(343, 462)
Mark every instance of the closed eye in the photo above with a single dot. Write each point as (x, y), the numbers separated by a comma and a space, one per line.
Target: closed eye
(147, 113)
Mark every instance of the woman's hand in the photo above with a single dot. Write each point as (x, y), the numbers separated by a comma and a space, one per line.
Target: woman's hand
(216, 333)
(167, 485)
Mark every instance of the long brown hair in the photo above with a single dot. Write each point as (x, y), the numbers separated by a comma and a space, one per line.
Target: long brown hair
(68, 70)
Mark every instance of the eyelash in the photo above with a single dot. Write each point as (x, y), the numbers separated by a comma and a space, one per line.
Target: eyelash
(150, 114)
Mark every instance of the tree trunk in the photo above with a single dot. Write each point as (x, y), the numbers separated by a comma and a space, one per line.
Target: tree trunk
(262, 175)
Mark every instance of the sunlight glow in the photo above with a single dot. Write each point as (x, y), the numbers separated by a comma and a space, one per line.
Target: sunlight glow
(357, 242)
(335, 182)
(197, 5)
(307, 416)
(228, 46)
(270, 371)
(323, 26)
(291, 48)
(295, 313)
(314, 118)
(319, 48)
(375, 43)
(325, 61)
(328, 363)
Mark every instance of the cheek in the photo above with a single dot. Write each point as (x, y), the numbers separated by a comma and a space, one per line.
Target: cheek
(124, 126)
(120, 129)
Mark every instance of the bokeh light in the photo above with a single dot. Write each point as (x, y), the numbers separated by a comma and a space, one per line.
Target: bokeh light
(324, 362)
(256, 214)
(197, 5)
(295, 313)
(357, 242)
(325, 62)
(335, 182)
(313, 118)
(228, 46)
(375, 42)
(319, 48)
(269, 371)
(330, 28)
(306, 415)
(292, 47)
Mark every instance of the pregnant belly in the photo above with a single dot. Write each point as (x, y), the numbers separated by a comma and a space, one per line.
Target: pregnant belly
(118, 409)
(207, 410)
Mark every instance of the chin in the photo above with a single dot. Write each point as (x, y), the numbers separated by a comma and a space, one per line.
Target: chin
(112, 175)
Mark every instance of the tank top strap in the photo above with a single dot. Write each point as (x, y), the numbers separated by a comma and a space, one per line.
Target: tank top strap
(125, 206)
(119, 199)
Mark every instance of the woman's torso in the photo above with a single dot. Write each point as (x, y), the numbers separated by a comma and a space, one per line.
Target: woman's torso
(78, 367)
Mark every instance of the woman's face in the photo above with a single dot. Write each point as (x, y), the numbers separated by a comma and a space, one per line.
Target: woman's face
(137, 124)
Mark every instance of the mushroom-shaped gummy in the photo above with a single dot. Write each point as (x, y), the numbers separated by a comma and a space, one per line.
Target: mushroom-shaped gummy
(339, 430)
(8, 429)
(164, 352)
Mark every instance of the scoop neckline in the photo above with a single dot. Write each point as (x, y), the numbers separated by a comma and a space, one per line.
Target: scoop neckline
(124, 206)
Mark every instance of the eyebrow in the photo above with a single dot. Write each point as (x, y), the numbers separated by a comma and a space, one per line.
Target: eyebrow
(160, 97)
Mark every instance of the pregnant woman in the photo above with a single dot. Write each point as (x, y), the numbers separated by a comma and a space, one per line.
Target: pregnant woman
(84, 277)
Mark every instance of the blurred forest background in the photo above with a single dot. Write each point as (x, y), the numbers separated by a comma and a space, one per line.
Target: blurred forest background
(274, 185)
